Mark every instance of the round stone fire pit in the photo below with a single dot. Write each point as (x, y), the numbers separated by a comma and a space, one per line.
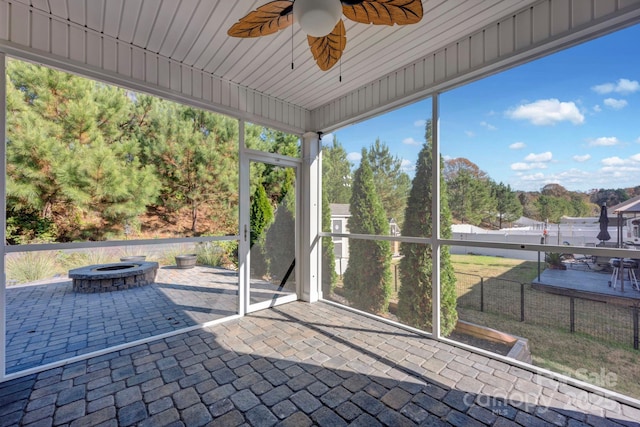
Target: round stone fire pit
(113, 277)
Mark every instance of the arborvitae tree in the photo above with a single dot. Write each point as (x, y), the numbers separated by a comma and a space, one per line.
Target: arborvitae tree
(329, 275)
(507, 207)
(415, 296)
(367, 280)
(280, 248)
(260, 218)
(336, 173)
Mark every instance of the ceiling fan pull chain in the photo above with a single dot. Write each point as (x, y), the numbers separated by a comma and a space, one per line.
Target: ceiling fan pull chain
(340, 77)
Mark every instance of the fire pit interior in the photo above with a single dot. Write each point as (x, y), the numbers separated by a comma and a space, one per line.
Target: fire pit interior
(113, 277)
(115, 267)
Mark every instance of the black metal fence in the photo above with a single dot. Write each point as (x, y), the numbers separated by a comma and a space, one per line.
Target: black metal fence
(601, 320)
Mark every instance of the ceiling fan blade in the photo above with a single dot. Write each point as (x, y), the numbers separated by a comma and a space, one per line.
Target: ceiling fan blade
(327, 50)
(383, 12)
(265, 20)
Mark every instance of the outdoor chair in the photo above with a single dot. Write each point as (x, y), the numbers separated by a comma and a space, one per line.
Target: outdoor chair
(629, 266)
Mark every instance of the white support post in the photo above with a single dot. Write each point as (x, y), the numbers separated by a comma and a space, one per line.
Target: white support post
(3, 215)
(243, 224)
(311, 216)
(435, 214)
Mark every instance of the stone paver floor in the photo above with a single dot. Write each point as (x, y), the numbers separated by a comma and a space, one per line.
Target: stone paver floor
(49, 322)
(299, 365)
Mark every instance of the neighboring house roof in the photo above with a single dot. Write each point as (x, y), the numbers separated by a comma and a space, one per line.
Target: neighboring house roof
(467, 228)
(342, 209)
(579, 220)
(523, 221)
(339, 209)
(630, 206)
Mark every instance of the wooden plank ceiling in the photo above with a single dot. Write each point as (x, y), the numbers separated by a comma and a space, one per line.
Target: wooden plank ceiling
(194, 32)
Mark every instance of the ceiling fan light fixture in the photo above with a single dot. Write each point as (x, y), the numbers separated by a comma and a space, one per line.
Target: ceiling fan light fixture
(317, 18)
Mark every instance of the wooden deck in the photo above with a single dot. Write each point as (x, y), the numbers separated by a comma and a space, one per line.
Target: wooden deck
(585, 283)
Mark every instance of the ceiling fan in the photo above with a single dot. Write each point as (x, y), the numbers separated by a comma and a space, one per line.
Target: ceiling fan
(321, 21)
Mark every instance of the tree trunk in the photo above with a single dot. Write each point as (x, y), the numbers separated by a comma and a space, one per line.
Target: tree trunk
(194, 218)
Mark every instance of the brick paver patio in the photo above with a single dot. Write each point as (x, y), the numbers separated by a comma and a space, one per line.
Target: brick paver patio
(49, 322)
(299, 365)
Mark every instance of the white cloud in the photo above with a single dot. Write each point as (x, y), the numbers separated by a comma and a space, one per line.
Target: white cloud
(407, 165)
(533, 161)
(534, 177)
(616, 104)
(597, 108)
(621, 171)
(469, 133)
(627, 86)
(542, 157)
(354, 157)
(420, 123)
(521, 166)
(638, 140)
(581, 158)
(623, 86)
(488, 126)
(517, 145)
(613, 161)
(545, 112)
(603, 88)
(572, 177)
(633, 161)
(410, 141)
(615, 168)
(604, 141)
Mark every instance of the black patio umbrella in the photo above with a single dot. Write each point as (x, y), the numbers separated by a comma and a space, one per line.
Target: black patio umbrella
(603, 235)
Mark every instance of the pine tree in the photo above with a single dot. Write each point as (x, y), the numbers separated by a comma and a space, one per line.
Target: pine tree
(392, 183)
(469, 191)
(70, 155)
(367, 280)
(508, 207)
(416, 294)
(336, 173)
(196, 157)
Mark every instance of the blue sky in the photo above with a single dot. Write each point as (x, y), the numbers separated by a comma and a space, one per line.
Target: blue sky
(572, 118)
